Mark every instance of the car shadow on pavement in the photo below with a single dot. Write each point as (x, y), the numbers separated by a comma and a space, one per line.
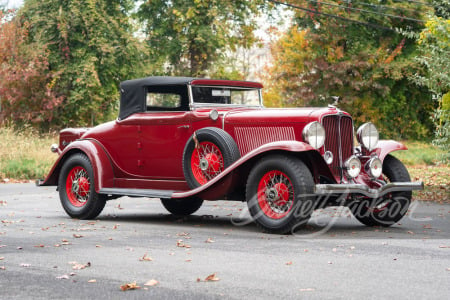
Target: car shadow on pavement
(330, 228)
(195, 221)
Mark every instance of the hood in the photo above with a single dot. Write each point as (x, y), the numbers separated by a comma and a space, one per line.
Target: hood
(279, 115)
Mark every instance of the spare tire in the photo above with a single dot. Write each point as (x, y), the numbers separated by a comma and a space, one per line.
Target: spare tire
(207, 153)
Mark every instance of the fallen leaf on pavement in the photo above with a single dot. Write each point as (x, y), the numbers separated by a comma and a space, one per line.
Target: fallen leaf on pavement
(77, 266)
(92, 281)
(307, 290)
(211, 277)
(181, 244)
(289, 263)
(77, 236)
(145, 258)
(151, 282)
(129, 286)
(209, 240)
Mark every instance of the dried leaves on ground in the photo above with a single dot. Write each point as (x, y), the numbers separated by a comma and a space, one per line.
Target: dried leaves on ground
(129, 286)
(436, 180)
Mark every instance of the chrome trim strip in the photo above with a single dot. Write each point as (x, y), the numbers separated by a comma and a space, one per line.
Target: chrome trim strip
(191, 97)
(341, 159)
(323, 189)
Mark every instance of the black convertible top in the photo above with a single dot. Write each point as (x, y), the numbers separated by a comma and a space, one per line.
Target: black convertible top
(133, 92)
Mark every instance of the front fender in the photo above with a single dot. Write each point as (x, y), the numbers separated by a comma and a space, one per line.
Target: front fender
(221, 184)
(100, 161)
(387, 146)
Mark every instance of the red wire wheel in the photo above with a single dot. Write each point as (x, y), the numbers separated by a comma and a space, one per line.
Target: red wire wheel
(280, 193)
(206, 162)
(208, 153)
(78, 186)
(275, 194)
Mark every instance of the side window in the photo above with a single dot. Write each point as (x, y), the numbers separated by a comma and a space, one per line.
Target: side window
(167, 98)
(163, 100)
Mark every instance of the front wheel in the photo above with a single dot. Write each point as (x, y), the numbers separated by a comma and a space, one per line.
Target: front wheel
(77, 190)
(389, 209)
(280, 194)
(182, 207)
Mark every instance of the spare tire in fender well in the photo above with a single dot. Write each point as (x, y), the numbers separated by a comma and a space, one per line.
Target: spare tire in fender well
(207, 153)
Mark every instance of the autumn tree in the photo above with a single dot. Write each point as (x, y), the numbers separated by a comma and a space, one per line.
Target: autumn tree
(434, 47)
(27, 95)
(91, 48)
(354, 50)
(190, 35)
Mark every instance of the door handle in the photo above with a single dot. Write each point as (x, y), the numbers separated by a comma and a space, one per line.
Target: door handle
(184, 127)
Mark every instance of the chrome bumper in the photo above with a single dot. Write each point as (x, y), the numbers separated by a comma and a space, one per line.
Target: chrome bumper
(324, 189)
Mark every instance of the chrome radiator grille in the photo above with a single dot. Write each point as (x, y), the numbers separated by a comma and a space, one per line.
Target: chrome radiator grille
(338, 140)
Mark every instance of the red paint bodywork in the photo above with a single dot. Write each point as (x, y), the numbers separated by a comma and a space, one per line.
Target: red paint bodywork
(145, 150)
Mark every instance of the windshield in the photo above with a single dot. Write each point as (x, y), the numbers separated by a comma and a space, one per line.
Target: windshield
(226, 96)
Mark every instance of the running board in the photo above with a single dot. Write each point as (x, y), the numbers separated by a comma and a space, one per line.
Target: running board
(137, 192)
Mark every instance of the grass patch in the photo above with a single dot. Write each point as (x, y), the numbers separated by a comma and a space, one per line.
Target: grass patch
(423, 162)
(420, 153)
(25, 154)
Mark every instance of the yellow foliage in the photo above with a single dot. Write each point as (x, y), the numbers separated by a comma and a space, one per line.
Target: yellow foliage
(446, 101)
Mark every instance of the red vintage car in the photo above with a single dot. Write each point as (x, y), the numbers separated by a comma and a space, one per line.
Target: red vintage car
(186, 140)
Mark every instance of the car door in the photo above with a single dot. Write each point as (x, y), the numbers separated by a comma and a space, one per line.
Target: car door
(164, 130)
(163, 137)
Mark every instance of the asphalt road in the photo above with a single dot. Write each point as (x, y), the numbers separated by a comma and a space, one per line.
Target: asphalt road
(46, 255)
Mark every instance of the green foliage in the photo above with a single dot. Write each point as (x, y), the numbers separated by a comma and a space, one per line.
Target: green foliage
(434, 47)
(191, 34)
(91, 48)
(367, 66)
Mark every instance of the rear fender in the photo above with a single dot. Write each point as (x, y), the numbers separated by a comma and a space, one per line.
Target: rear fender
(100, 161)
(224, 182)
(387, 146)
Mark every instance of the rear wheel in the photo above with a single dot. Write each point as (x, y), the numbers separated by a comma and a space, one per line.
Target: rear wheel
(279, 194)
(77, 190)
(182, 207)
(389, 209)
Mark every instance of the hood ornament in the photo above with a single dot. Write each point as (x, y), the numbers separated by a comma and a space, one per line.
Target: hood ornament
(336, 101)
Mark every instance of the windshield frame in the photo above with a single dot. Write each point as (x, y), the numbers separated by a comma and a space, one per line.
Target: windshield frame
(193, 105)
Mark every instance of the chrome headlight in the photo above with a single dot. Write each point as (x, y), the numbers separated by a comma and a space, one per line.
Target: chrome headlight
(367, 135)
(54, 148)
(352, 166)
(374, 167)
(314, 134)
